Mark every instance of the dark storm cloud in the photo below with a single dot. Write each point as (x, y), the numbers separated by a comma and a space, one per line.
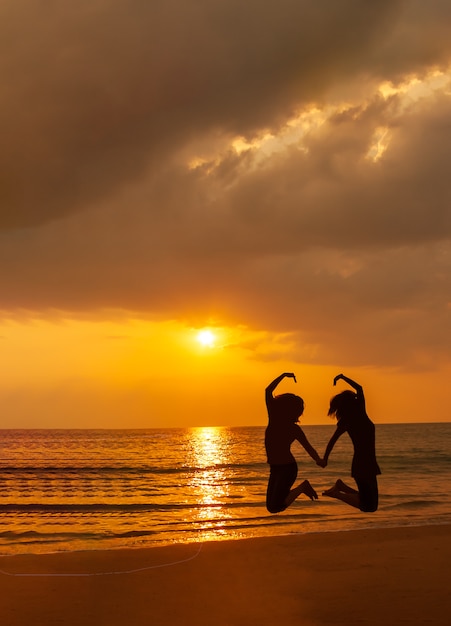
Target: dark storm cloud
(333, 195)
(94, 92)
(105, 103)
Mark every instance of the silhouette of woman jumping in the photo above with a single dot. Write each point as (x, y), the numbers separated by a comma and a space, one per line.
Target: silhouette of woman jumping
(284, 412)
(349, 409)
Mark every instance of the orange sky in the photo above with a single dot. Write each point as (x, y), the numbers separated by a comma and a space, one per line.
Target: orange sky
(277, 172)
(140, 374)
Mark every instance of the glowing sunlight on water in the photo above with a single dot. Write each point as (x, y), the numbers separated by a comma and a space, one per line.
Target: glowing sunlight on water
(209, 453)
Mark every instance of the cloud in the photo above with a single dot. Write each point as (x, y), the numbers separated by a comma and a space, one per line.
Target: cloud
(124, 186)
(95, 93)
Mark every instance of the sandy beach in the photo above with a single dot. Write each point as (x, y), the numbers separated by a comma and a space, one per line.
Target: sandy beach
(373, 577)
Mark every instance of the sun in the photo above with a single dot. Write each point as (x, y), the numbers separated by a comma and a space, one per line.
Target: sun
(206, 338)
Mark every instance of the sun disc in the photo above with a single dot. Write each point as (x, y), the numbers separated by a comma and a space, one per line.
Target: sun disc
(206, 338)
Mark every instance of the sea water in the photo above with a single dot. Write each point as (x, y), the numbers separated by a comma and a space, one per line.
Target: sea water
(64, 490)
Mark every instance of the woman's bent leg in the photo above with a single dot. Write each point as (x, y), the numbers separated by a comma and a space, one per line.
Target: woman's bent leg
(281, 479)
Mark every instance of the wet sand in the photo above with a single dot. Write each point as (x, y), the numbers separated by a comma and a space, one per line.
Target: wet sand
(374, 577)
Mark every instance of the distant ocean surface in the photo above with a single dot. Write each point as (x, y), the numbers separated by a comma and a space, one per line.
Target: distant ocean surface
(66, 490)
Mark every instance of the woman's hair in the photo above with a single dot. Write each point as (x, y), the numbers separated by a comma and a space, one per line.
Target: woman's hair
(289, 406)
(343, 404)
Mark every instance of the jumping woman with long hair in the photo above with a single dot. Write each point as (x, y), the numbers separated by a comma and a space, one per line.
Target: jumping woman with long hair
(284, 411)
(349, 409)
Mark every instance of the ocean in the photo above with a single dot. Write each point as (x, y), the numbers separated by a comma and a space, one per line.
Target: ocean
(67, 490)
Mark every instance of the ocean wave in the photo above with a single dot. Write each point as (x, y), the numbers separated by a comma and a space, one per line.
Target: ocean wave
(414, 504)
(79, 470)
(123, 507)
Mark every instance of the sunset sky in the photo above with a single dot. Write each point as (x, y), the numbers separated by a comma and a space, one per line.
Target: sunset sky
(277, 172)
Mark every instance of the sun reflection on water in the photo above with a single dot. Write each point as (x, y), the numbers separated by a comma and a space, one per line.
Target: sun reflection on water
(209, 453)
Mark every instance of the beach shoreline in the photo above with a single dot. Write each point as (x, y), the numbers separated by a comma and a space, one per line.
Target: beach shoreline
(376, 576)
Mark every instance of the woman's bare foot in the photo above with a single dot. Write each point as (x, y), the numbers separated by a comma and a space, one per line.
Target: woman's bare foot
(332, 492)
(339, 487)
(308, 490)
